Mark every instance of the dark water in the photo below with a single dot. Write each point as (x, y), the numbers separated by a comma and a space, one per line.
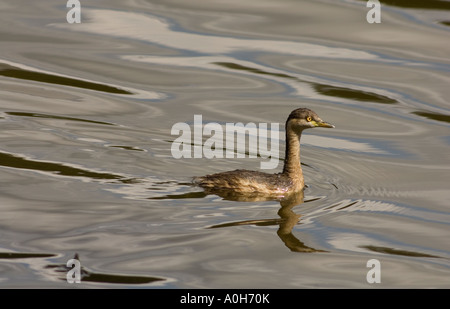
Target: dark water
(86, 168)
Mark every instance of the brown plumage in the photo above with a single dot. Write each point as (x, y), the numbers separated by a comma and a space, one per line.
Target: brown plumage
(254, 182)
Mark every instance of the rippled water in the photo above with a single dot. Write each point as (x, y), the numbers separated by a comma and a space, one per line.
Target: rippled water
(86, 168)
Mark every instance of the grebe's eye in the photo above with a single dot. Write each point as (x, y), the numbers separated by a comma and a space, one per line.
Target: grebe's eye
(308, 118)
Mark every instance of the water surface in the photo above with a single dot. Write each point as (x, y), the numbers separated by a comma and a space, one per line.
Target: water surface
(86, 168)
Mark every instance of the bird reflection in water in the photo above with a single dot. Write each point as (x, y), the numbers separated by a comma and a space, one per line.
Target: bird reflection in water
(287, 220)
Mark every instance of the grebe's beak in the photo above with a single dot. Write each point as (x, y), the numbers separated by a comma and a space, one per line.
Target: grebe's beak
(322, 124)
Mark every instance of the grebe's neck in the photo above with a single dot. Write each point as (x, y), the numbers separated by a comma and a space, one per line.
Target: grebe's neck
(292, 167)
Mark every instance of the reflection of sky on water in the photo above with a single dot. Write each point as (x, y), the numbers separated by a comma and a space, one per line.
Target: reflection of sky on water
(155, 30)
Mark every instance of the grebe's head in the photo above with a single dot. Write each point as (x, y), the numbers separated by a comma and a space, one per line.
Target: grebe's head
(304, 118)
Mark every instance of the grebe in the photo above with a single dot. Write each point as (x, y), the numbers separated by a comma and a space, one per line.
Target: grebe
(254, 182)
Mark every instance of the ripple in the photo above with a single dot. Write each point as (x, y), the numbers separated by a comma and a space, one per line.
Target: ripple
(433, 116)
(353, 94)
(24, 72)
(133, 148)
(95, 277)
(15, 72)
(328, 90)
(393, 251)
(61, 270)
(49, 116)
(24, 255)
(418, 4)
(20, 162)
